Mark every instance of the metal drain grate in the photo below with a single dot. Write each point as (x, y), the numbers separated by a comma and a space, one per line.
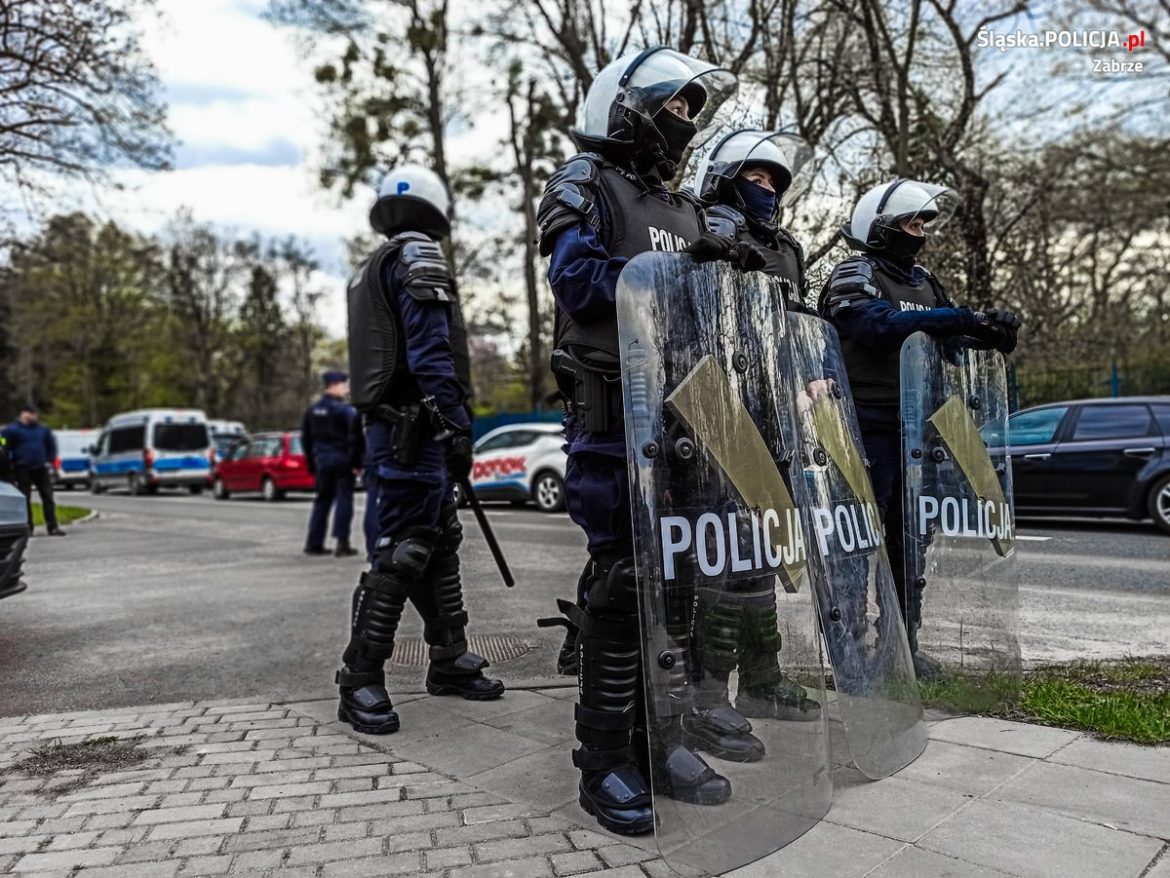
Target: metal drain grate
(413, 652)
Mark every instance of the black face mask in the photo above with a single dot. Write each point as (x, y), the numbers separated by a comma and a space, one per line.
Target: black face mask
(676, 132)
(902, 246)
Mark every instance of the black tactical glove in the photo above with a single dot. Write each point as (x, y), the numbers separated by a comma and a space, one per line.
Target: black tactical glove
(993, 334)
(747, 256)
(1010, 323)
(459, 457)
(709, 247)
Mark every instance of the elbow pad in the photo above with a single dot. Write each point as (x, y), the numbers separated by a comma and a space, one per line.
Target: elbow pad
(570, 197)
(850, 285)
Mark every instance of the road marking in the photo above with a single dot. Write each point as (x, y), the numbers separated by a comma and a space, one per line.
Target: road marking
(1033, 539)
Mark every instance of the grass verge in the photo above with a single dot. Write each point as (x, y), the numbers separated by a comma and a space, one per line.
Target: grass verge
(84, 760)
(65, 514)
(1125, 700)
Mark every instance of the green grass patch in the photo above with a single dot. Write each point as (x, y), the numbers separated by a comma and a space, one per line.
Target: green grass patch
(65, 514)
(1125, 700)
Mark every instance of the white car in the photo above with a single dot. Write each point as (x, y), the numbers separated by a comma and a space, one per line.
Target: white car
(521, 463)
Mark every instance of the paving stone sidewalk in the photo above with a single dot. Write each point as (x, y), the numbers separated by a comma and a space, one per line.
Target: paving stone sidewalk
(239, 788)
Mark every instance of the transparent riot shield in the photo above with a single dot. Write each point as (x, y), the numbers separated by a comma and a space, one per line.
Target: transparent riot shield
(961, 586)
(873, 672)
(724, 597)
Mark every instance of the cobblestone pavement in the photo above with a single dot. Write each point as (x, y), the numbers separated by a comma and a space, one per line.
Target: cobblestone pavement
(257, 789)
(247, 788)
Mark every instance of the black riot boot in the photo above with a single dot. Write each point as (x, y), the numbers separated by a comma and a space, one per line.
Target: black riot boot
(710, 723)
(613, 789)
(764, 690)
(439, 599)
(378, 602)
(680, 724)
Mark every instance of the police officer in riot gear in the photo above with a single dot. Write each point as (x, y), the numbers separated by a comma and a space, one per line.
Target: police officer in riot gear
(411, 382)
(877, 299)
(599, 210)
(742, 182)
(327, 436)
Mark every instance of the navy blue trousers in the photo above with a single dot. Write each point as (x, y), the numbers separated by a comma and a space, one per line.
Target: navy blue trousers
(334, 486)
(408, 496)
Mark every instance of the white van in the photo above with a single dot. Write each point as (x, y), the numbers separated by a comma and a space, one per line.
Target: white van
(72, 464)
(152, 448)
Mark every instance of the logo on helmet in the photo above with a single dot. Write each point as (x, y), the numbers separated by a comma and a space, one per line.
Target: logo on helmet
(403, 186)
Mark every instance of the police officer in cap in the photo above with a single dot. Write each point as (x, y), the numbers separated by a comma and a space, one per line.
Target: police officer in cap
(412, 382)
(877, 299)
(599, 210)
(742, 182)
(327, 436)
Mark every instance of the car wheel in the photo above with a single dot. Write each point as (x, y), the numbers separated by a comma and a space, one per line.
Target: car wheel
(548, 490)
(95, 487)
(134, 485)
(219, 490)
(460, 496)
(269, 491)
(1160, 504)
(195, 489)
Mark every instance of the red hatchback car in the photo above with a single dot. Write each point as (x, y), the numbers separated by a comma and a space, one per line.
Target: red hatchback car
(271, 463)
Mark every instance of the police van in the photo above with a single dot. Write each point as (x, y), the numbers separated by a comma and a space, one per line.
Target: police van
(71, 468)
(149, 449)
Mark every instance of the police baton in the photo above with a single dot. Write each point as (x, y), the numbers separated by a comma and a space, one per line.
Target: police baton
(488, 534)
(446, 431)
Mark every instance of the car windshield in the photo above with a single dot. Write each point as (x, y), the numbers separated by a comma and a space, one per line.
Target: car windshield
(181, 437)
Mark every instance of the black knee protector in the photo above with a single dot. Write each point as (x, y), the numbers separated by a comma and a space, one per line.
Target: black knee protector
(760, 628)
(378, 602)
(407, 556)
(716, 626)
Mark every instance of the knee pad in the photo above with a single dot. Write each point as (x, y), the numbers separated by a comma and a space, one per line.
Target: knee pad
(407, 556)
(612, 588)
(378, 602)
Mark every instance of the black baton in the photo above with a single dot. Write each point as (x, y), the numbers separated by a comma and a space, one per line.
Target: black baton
(488, 534)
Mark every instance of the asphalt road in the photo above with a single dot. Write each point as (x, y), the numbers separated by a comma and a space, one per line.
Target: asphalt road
(171, 598)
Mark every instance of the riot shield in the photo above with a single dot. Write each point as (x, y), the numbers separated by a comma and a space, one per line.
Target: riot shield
(961, 588)
(873, 671)
(719, 550)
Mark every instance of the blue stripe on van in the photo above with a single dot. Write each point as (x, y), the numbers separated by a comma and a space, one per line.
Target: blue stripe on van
(166, 464)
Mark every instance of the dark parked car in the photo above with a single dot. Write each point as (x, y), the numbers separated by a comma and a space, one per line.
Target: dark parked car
(13, 539)
(1093, 457)
(271, 463)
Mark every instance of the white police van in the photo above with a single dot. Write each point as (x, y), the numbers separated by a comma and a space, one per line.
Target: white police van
(145, 450)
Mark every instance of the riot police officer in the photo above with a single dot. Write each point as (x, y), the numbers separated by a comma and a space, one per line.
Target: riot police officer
(327, 436)
(599, 210)
(411, 374)
(742, 182)
(877, 299)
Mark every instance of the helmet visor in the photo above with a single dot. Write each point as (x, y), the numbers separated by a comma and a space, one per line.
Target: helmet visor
(658, 76)
(909, 202)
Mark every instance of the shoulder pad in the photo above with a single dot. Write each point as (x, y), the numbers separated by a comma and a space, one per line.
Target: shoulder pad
(725, 221)
(787, 237)
(570, 197)
(851, 283)
(423, 269)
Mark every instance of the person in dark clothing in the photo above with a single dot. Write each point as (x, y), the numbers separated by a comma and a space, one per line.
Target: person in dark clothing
(32, 449)
(412, 383)
(327, 435)
(742, 182)
(877, 299)
(599, 210)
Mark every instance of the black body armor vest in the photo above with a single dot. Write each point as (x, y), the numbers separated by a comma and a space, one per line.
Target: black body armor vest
(637, 221)
(876, 377)
(378, 369)
(785, 258)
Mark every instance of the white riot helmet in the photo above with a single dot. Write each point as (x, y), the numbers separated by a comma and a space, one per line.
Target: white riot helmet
(617, 117)
(880, 212)
(785, 156)
(412, 198)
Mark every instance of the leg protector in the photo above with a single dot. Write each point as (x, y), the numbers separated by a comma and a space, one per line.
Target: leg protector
(439, 599)
(764, 690)
(612, 787)
(567, 657)
(378, 602)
